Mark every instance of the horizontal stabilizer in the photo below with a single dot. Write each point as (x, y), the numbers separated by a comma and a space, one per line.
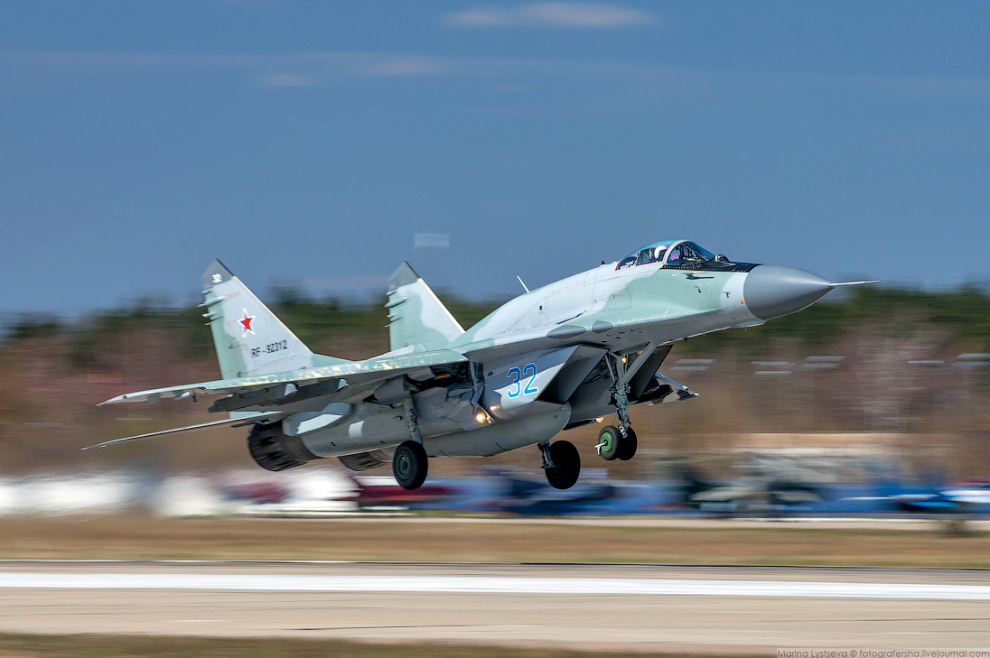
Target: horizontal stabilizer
(233, 422)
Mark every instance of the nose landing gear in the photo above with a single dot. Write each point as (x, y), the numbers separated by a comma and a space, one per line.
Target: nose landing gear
(614, 444)
(620, 442)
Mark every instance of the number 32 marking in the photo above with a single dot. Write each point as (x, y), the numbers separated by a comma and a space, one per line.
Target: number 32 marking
(516, 375)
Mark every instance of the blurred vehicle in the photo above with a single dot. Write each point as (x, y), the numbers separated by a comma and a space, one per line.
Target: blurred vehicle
(963, 498)
(765, 490)
(974, 492)
(258, 492)
(589, 497)
(379, 493)
(517, 493)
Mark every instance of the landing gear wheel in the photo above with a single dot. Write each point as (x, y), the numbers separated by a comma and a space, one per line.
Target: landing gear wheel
(628, 445)
(566, 465)
(609, 442)
(409, 464)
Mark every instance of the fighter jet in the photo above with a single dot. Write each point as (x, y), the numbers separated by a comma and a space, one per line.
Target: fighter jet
(552, 359)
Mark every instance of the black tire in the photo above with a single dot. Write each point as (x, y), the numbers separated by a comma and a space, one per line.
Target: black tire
(628, 445)
(566, 465)
(409, 465)
(612, 440)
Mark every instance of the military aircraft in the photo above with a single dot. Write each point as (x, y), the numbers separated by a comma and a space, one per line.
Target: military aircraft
(552, 359)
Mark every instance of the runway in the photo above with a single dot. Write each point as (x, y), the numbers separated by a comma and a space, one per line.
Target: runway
(595, 607)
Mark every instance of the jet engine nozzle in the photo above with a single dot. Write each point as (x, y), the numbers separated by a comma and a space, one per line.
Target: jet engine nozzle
(274, 450)
(771, 291)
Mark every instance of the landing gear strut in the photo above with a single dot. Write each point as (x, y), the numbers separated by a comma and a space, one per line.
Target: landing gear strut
(561, 463)
(409, 462)
(619, 442)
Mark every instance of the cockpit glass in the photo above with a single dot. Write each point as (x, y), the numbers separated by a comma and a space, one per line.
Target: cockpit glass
(687, 254)
(704, 253)
(677, 254)
(651, 255)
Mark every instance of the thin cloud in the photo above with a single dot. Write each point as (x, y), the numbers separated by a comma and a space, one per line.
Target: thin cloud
(28, 69)
(286, 80)
(303, 69)
(401, 65)
(326, 66)
(551, 14)
(270, 70)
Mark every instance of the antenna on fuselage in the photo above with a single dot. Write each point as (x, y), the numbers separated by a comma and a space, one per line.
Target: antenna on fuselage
(521, 283)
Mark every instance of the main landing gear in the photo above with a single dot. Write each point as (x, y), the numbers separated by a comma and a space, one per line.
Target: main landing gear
(618, 442)
(561, 463)
(409, 462)
(409, 465)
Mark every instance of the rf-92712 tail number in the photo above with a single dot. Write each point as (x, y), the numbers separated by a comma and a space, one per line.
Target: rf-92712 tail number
(270, 348)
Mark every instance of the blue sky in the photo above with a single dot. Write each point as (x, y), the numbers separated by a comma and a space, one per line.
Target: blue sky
(307, 143)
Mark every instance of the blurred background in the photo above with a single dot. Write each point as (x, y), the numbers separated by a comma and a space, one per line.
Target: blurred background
(875, 403)
(313, 147)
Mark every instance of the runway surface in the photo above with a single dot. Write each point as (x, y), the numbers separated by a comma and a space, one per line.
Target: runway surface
(596, 607)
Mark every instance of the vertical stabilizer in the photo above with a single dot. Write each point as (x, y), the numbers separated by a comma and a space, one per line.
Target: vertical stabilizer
(417, 319)
(249, 339)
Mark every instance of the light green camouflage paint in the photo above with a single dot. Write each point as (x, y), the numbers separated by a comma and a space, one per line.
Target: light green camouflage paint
(248, 337)
(417, 319)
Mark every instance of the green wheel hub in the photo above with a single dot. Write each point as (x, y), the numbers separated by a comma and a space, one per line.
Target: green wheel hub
(403, 465)
(609, 442)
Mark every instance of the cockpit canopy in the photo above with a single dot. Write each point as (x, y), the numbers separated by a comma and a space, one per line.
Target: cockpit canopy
(672, 254)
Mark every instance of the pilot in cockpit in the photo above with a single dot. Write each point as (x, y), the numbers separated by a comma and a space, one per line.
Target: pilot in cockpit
(687, 254)
(651, 255)
(679, 255)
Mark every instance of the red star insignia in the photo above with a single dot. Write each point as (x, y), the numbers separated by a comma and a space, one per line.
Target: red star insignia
(245, 323)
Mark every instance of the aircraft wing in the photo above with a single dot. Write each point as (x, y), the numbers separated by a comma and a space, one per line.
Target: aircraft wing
(358, 373)
(244, 419)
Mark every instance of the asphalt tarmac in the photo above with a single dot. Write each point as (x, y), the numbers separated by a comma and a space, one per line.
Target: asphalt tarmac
(593, 607)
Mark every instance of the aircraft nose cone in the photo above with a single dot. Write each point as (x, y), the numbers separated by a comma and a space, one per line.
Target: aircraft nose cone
(771, 291)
